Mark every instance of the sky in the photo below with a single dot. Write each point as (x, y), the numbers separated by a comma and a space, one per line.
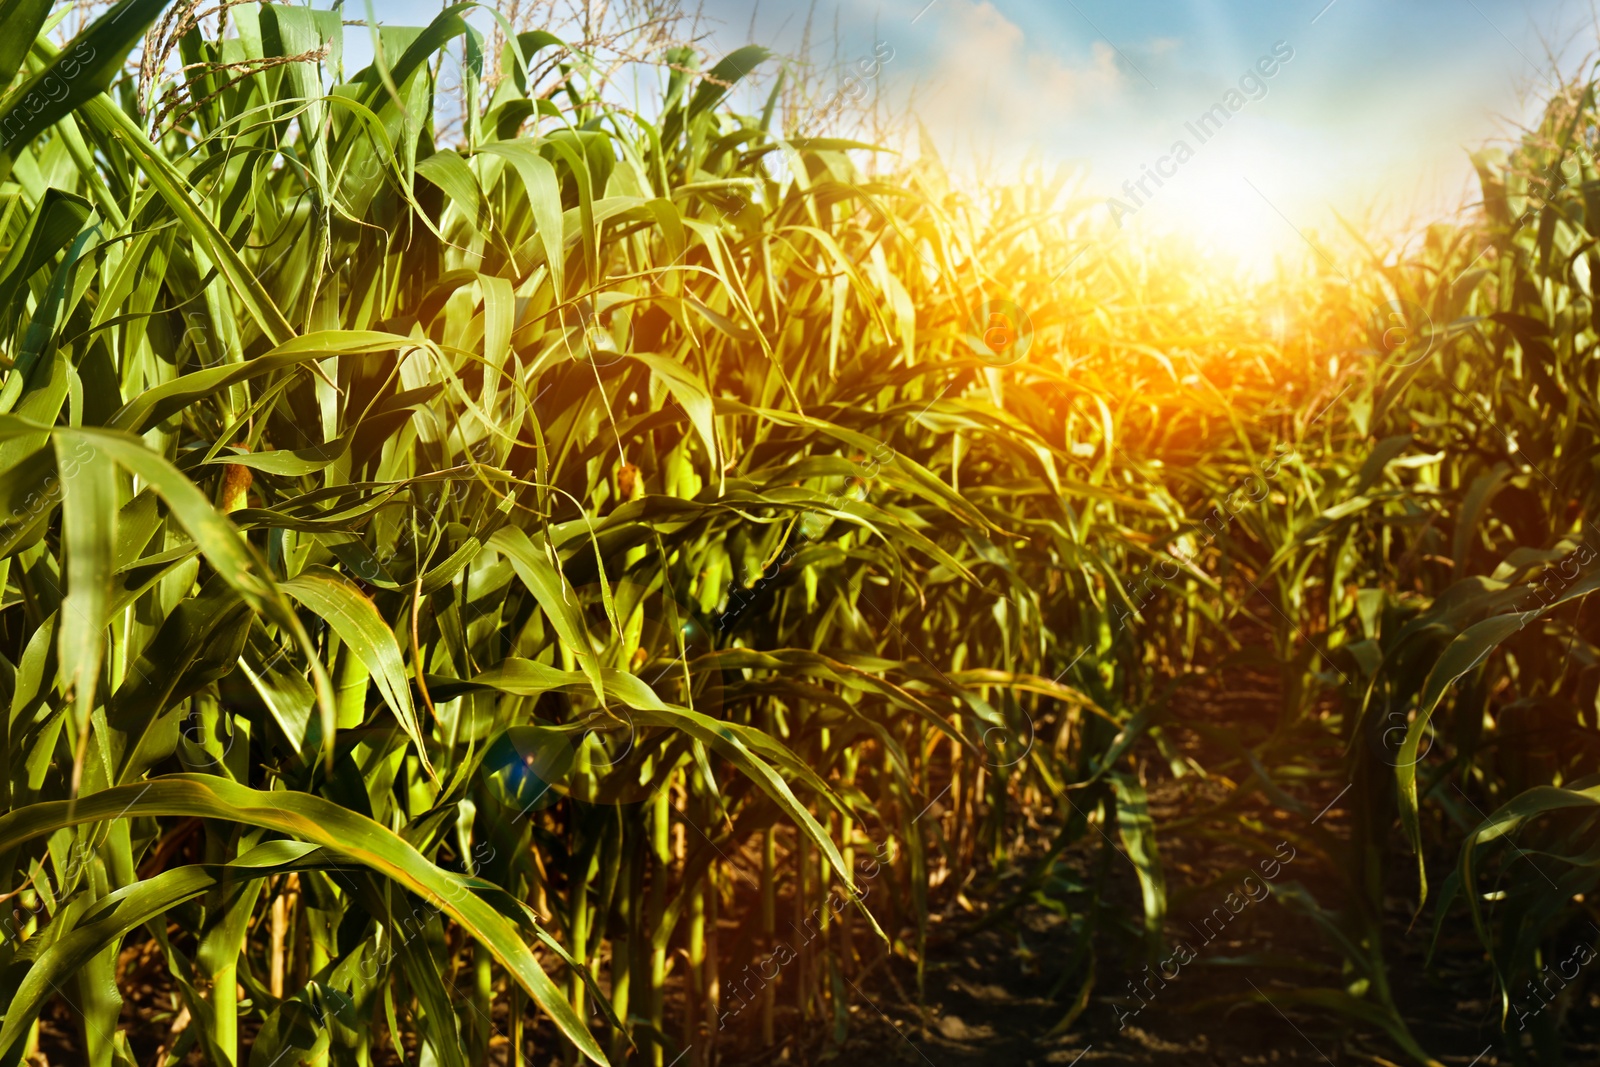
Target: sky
(1373, 117)
(1370, 111)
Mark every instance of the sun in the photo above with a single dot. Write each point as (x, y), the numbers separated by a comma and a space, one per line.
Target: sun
(1239, 207)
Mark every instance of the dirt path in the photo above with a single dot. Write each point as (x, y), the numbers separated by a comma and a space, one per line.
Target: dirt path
(998, 987)
(989, 1004)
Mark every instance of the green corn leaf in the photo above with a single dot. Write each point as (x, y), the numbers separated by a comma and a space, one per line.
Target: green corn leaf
(1464, 653)
(23, 19)
(359, 626)
(312, 820)
(89, 528)
(111, 918)
(81, 71)
(549, 587)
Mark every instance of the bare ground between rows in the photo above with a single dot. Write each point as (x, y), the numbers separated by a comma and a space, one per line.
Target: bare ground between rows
(995, 991)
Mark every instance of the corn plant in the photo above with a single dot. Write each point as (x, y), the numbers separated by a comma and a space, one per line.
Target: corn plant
(438, 568)
(493, 575)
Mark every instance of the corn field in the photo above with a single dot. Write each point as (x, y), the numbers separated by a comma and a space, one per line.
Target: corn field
(505, 572)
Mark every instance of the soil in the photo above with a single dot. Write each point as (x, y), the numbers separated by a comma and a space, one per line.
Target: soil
(994, 993)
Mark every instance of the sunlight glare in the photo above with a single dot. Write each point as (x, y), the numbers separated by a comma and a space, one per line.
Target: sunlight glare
(1226, 206)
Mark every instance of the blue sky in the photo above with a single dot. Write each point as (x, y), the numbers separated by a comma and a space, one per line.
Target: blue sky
(1373, 116)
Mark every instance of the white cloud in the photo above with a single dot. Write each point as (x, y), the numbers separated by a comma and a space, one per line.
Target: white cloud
(983, 83)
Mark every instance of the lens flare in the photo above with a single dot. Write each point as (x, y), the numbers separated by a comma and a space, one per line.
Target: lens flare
(525, 765)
